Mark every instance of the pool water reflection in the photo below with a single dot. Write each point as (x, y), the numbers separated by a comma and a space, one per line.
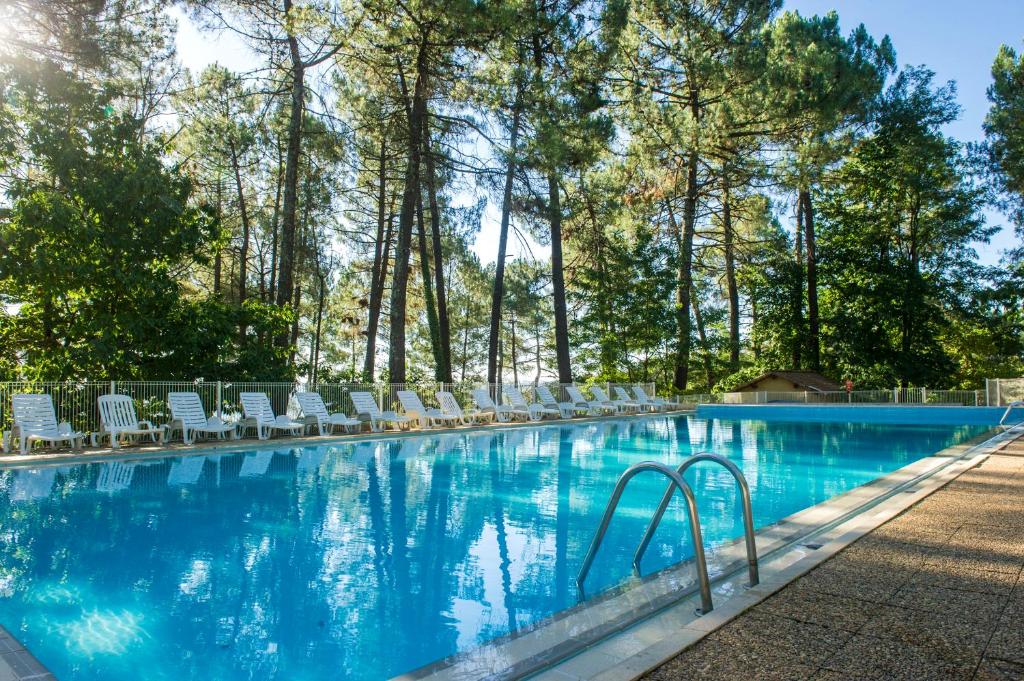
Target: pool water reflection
(366, 560)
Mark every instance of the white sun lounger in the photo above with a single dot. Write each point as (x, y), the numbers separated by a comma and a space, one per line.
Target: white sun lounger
(502, 412)
(188, 416)
(602, 396)
(259, 416)
(413, 406)
(594, 406)
(118, 420)
(654, 403)
(36, 421)
(566, 409)
(451, 407)
(367, 410)
(315, 414)
(536, 411)
(626, 400)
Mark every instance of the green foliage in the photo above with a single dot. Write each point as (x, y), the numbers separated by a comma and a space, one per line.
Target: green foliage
(94, 244)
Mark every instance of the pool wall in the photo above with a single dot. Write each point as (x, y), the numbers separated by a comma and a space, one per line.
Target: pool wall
(862, 413)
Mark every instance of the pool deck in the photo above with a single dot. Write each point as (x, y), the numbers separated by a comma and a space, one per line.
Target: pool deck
(935, 593)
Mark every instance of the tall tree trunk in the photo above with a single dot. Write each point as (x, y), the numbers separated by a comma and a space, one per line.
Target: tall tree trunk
(217, 258)
(380, 266)
(730, 278)
(684, 274)
(243, 253)
(428, 291)
(444, 368)
(798, 288)
(285, 280)
(400, 280)
(558, 282)
(813, 331)
(515, 358)
(315, 363)
(275, 224)
(698, 319)
(499, 267)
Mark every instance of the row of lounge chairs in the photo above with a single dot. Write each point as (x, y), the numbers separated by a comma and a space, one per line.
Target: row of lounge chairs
(35, 420)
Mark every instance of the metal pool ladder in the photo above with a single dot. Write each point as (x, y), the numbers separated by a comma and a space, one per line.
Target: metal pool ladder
(1010, 407)
(676, 481)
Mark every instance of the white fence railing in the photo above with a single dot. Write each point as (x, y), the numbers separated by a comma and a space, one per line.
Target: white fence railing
(919, 396)
(75, 401)
(1000, 392)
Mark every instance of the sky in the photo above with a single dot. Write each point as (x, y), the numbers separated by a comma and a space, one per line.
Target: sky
(957, 39)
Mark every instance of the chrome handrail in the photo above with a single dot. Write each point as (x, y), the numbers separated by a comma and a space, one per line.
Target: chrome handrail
(1009, 407)
(675, 480)
(748, 513)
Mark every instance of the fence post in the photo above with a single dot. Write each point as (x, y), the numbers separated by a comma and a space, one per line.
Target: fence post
(895, 396)
(113, 387)
(805, 397)
(999, 392)
(924, 395)
(220, 401)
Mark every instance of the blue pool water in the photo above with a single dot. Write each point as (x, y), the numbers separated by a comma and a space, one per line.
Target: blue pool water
(366, 560)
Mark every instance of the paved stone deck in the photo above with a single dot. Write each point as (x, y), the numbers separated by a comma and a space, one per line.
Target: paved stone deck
(935, 593)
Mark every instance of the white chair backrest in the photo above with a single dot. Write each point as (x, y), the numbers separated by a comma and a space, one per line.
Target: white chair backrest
(365, 404)
(600, 394)
(621, 394)
(186, 470)
(544, 395)
(483, 399)
(641, 396)
(188, 408)
(449, 405)
(117, 411)
(411, 402)
(312, 404)
(513, 395)
(34, 414)
(575, 394)
(257, 406)
(32, 484)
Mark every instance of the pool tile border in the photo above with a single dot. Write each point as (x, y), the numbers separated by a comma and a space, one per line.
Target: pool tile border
(17, 663)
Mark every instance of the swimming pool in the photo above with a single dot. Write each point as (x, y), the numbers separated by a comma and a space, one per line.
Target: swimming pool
(366, 560)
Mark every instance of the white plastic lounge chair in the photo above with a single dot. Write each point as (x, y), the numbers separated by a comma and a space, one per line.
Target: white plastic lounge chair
(31, 484)
(414, 409)
(188, 416)
(536, 411)
(654, 403)
(593, 406)
(619, 405)
(115, 476)
(259, 415)
(315, 414)
(118, 420)
(36, 421)
(503, 412)
(450, 406)
(186, 470)
(626, 400)
(367, 410)
(566, 409)
(256, 464)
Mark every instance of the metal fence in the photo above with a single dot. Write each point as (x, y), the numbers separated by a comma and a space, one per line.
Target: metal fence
(1000, 392)
(918, 396)
(76, 401)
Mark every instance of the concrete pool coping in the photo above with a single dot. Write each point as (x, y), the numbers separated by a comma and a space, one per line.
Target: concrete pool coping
(632, 629)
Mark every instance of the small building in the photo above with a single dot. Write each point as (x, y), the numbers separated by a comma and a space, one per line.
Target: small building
(789, 381)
